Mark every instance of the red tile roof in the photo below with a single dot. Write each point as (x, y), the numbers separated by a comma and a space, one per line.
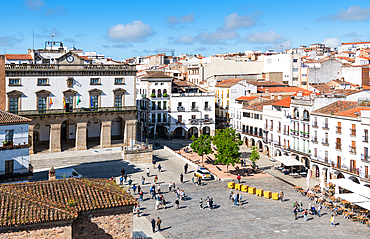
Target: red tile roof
(228, 83)
(266, 83)
(259, 106)
(320, 87)
(284, 103)
(354, 112)
(86, 58)
(6, 117)
(350, 43)
(18, 57)
(281, 89)
(64, 199)
(155, 74)
(246, 98)
(336, 107)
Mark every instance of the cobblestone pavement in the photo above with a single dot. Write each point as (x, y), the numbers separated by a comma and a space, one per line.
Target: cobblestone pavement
(256, 218)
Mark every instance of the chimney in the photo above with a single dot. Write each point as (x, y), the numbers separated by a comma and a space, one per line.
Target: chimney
(52, 174)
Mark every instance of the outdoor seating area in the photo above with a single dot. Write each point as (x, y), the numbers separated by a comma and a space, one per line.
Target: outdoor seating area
(337, 203)
(290, 166)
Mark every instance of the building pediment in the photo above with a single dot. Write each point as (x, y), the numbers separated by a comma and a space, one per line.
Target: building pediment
(14, 92)
(43, 92)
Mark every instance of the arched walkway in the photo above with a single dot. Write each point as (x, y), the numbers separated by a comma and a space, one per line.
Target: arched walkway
(179, 133)
(315, 171)
(259, 144)
(41, 136)
(337, 174)
(306, 161)
(206, 130)
(67, 134)
(354, 179)
(117, 131)
(193, 131)
(93, 130)
(253, 142)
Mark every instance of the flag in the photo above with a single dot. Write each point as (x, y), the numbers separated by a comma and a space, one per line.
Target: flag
(51, 102)
(78, 101)
(64, 103)
(91, 102)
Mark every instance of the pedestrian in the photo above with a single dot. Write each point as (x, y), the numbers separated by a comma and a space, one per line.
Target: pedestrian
(153, 224)
(147, 172)
(310, 208)
(295, 211)
(305, 214)
(163, 203)
(173, 186)
(125, 177)
(211, 203)
(239, 178)
(236, 199)
(177, 202)
(138, 210)
(142, 180)
(294, 204)
(300, 206)
(134, 188)
(319, 209)
(181, 178)
(231, 194)
(141, 196)
(123, 172)
(169, 187)
(192, 180)
(159, 221)
(201, 203)
(152, 191)
(186, 168)
(240, 199)
(138, 188)
(121, 180)
(153, 162)
(207, 201)
(129, 181)
(282, 196)
(111, 178)
(159, 189)
(332, 220)
(155, 179)
(200, 181)
(159, 167)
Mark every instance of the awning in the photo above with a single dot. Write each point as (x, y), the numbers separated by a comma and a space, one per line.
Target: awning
(288, 161)
(365, 205)
(352, 186)
(352, 197)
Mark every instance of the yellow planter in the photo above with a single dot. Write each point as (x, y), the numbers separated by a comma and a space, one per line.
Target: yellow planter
(259, 192)
(231, 184)
(252, 190)
(245, 188)
(267, 194)
(238, 186)
(275, 196)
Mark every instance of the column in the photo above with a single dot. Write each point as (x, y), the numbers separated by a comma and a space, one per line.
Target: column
(105, 134)
(81, 132)
(186, 134)
(130, 131)
(54, 138)
(30, 133)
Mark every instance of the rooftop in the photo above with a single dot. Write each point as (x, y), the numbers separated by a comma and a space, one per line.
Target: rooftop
(246, 98)
(47, 201)
(6, 118)
(284, 102)
(336, 108)
(155, 74)
(266, 83)
(228, 83)
(18, 57)
(281, 89)
(259, 106)
(321, 87)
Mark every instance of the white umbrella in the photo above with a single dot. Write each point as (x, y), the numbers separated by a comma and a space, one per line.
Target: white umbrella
(322, 181)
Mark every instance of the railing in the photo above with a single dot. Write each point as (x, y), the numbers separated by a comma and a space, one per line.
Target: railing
(352, 149)
(325, 142)
(192, 94)
(180, 108)
(365, 157)
(179, 122)
(338, 146)
(286, 132)
(339, 130)
(207, 108)
(365, 139)
(194, 108)
(314, 140)
(137, 149)
(353, 132)
(315, 125)
(76, 110)
(325, 126)
(60, 66)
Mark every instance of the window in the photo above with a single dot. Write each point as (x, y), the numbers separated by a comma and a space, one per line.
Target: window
(159, 116)
(295, 69)
(42, 104)
(159, 95)
(339, 127)
(14, 81)
(269, 61)
(164, 117)
(295, 113)
(153, 118)
(326, 156)
(304, 75)
(118, 81)
(68, 103)
(118, 101)
(315, 152)
(206, 117)
(159, 107)
(94, 101)
(165, 105)
(153, 105)
(179, 104)
(366, 136)
(304, 83)
(179, 118)
(338, 144)
(43, 81)
(9, 135)
(13, 105)
(193, 105)
(353, 130)
(193, 117)
(206, 105)
(95, 81)
(295, 60)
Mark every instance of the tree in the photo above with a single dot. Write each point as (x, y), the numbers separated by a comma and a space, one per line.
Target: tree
(228, 146)
(255, 156)
(202, 145)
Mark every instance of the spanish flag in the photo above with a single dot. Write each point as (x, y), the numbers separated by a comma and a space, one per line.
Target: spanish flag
(64, 103)
(50, 102)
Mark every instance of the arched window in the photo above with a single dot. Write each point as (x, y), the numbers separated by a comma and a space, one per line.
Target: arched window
(296, 113)
(165, 93)
(306, 115)
(159, 93)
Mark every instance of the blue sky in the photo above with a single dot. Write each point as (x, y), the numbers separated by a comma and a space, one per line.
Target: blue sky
(122, 29)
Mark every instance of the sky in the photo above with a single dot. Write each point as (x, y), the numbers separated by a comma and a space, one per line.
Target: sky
(123, 29)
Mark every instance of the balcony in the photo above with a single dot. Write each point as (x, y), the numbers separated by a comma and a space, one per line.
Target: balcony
(194, 108)
(265, 126)
(180, 108)
(314, 140)
(325, 142)
(294, 132)
(304, 134)
(345, 168)
(352, 149)
(315, 125)
(286, 132)
(339, 130)
(207, 108)
(353, 132)
(76, 111)
(365, 158)
(279, 130)
(365, 139)
(338, 146)
(193, 121)
(325, 126)
(208, 121)
(179, 122)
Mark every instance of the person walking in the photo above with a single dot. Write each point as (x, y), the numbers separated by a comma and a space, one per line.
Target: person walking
(169, 186)
(177, 202)
(332, 220)
(200, 181)
(236, 199)
(186, 168)
(125, 177)
(153, 162)
(138, 188)
(141, 194)
(300, 206)
(231, 194)
(155, 179)
(142, 180)
(134, 188)
(129, 181)
(295, 211)
(319, 209)
(121, 180)
(239, 178)
(240, 200)
(159, 189)
(305, 214)
(153, 224)
(201, 203)
(181, 178)
(173, 186)
(147, 172)
(211, 203)
(282, 196)
(207, 201)
(159, 168)
(159, 221)
(123, 172)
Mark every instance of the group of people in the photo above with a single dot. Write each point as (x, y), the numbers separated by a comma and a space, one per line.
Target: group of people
(235, 197)
(209, 202)
(311, 210)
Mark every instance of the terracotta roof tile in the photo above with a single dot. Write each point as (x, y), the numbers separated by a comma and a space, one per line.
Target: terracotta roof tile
(246, 98)
(259, 106)
(6, 117)
(284, 102)
(320, 87)
(281, 89)
(266, 83)
(155, 74)
(18, 57)
(350, 43)
(354, 112)
(228, 83)
(336, 107)
(47, 201)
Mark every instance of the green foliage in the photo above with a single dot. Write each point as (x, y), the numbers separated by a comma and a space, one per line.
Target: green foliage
(255, 155)
(193, 138)
(228, 145)
(202, 145)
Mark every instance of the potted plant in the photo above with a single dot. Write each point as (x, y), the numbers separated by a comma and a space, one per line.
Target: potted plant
(152, 95)
(165, 95)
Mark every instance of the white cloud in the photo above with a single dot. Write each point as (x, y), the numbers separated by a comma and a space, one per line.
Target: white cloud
(58, 10)
(202, 48)
(182, 19)
(187, 40)
(331, 42)
(34, 4)
(217, 37)
(282, 45)
(263, 37)
(353, 13)
(234, 21)
(351, 34)
(47, 32)
(137, 31)
(9, 41)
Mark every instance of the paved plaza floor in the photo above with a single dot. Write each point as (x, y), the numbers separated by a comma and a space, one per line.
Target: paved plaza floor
(256, 218)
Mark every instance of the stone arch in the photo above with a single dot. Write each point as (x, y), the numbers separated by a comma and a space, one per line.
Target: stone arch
(354, 179)
(306, 115)
(206, 130)
(93, 132)
(193, 131)
(278, 152)
(117, 130)
(253, 142)
(315, 170)
(306, 161)
(246, 140)
(179, 132)
(259, 145)
(267, 150)
(338, 174)
(295, 113)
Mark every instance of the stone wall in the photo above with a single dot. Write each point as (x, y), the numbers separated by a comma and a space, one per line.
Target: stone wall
(57, 232)
(138, 158)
